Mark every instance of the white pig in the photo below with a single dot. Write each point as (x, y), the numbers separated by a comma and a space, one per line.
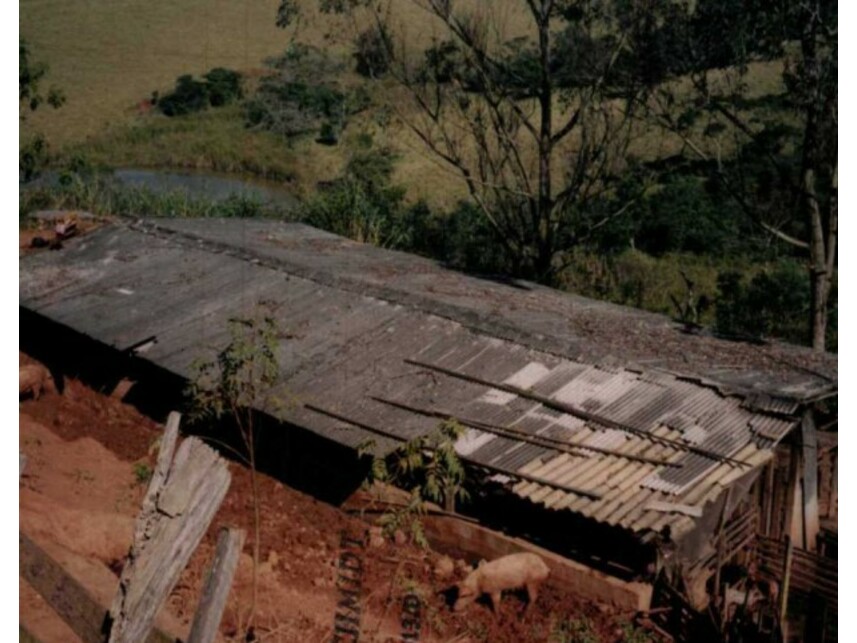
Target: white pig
(509, 572)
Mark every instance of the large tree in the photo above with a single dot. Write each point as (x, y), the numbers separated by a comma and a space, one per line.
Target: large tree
(750, 86)
(535, 120)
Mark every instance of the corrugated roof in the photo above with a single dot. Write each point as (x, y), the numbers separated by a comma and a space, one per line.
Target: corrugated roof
(600, 440)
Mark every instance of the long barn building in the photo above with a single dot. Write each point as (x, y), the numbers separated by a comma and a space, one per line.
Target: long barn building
(609, 434)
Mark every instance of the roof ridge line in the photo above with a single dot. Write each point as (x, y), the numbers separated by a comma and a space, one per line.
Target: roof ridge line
(471, 320)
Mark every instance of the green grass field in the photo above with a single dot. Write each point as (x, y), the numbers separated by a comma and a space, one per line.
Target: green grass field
(108, 55)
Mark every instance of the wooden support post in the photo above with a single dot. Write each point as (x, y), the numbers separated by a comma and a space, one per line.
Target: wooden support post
(809, 441)
(724, 515)
(833, 502)
(183, 496)
(206, 621)
(769, 496)
(793, 527)
(784, 592)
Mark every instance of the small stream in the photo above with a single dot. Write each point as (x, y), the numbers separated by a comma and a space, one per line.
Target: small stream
(207, 184)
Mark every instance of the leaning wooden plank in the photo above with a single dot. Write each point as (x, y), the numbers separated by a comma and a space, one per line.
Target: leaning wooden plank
(175, 517)
(66, 596)
(148, 515)
(206, 621)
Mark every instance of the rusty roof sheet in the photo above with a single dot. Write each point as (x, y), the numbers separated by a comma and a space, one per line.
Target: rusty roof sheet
(607, 431)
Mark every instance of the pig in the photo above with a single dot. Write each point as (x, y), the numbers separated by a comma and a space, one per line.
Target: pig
(33, 378)
(509, 572)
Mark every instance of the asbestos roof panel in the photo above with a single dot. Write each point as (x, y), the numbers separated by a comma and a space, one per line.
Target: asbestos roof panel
(349, 323)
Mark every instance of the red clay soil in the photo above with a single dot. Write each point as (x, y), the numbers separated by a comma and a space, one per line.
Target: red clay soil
(87, 454)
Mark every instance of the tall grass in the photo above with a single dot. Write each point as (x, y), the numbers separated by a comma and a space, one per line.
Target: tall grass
(212, 140)
(109, 198)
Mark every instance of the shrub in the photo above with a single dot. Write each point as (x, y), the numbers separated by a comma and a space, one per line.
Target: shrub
(33, 157)
(374, 51)
(295, 98)
(350, 209)
(218, 87)
(444, 62)
(362, 204)
(462, 238)
(775, 302)
(224, 86)
(188, 96)
(430, 467)
(682, 213)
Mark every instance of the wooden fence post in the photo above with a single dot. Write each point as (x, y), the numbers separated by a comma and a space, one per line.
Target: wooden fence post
(206, 621)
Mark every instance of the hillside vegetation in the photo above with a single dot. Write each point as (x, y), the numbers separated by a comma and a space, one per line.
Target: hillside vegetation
(686, 217)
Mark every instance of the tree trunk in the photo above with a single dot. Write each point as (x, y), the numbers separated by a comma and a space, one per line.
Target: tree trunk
(820, 278)
(544, 227)
(822, 241)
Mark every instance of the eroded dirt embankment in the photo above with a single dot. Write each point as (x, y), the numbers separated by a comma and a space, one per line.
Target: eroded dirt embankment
(88, 455)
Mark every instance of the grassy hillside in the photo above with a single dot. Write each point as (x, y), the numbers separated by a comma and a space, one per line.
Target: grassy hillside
(108, 55)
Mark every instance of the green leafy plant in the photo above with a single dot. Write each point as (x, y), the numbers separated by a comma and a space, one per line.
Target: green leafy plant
(634, 634)
(362, 204)
(574, 630)
(142, 472)
(232, 385)
(775, 302)
(428, 467)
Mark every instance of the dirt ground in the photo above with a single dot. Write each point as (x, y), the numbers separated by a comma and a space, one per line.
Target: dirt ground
(88, 456)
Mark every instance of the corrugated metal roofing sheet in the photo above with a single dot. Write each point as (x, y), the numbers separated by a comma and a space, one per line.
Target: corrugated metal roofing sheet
(344, 348)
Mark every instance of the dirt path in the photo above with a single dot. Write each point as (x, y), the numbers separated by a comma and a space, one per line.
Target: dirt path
(88, 458)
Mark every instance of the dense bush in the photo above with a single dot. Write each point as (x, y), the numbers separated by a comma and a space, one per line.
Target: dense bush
(462, 238)
(774, 303)
(224, 86)
(218, 87)
(295, 98)
(681, 212)
(362, 204)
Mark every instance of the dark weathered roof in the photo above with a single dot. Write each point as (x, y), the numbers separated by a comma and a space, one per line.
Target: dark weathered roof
(353, 314)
